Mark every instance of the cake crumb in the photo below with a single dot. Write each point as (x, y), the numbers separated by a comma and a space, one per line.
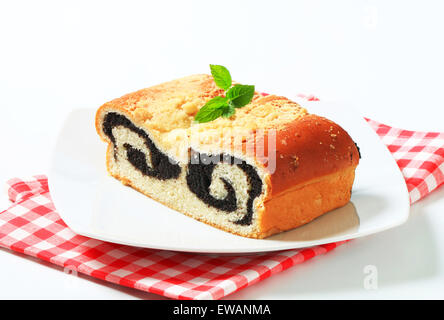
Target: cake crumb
(295, 161)
(190, 108)
(141, 114)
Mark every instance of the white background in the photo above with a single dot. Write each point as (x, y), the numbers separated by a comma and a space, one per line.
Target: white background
(385, 57)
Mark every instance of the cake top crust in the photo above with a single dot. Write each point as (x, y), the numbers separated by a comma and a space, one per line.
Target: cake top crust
(172, 105)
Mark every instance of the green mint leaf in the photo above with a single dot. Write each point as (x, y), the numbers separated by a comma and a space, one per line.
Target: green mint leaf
(240, 95)
(213, 109)
(221, 76)
(228, 111)
(236, 97)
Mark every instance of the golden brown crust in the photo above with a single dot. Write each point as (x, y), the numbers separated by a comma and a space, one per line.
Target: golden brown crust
(309, 148)
(306, 201)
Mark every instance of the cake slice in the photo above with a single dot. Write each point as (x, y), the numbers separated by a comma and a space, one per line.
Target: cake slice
(268, 168)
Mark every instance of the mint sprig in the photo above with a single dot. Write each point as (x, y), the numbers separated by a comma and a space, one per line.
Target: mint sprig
(236, 96)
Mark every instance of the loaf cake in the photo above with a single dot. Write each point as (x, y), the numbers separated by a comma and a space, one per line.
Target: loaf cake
(268, 168)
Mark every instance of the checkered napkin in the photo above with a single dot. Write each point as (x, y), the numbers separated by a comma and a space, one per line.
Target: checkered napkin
(32, 226)
(419, 155)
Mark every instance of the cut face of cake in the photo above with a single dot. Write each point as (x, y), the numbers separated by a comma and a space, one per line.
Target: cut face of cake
(268, 168)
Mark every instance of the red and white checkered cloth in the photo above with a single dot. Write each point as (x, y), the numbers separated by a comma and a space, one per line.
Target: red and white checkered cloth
(419, 155)
(32, 226)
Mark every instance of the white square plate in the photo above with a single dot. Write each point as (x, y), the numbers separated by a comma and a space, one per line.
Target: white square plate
(96, 205)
